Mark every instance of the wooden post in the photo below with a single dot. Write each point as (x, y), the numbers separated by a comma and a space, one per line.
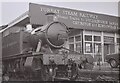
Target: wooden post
(102, 46)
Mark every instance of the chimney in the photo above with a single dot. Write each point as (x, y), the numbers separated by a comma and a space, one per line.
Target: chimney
(51, 17)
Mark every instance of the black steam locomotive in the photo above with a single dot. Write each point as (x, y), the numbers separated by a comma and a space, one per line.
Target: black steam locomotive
(40, 55)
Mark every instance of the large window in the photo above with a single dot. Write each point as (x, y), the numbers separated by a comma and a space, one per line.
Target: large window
(88, 43)
(88, 47)
(77, 38)
(78, 44)
(118, 45)
(92, 44)
(88, 37)
(71, 39)
(97, 47)
(112, 48)
(75, 43)
(78, 47)
(71, 46)
(118, 40)
(108, 39)
(97, 38)
(110, 44)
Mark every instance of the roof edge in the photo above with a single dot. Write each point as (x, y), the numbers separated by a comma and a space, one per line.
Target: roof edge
(18, 19)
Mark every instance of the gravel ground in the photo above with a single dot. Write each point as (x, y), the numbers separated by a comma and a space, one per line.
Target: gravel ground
(99, 73)
(105, 67)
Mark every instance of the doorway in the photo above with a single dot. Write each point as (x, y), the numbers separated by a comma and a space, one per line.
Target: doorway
(108, 49)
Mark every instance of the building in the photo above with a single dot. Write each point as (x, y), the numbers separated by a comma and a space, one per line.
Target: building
(91, 33)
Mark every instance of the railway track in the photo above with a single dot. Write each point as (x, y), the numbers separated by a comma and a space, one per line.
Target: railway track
(105, 73)
(86, 75)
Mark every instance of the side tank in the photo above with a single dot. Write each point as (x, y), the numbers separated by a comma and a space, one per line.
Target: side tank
(53, 34)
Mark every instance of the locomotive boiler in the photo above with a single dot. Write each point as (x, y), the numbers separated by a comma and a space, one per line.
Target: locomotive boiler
(54, 35)
(40, 55)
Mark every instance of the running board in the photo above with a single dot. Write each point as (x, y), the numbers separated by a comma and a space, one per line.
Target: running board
(61, 79)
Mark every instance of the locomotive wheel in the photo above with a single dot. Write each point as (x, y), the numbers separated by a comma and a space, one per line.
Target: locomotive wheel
(74, 72)
(42, 70)
(6, 78)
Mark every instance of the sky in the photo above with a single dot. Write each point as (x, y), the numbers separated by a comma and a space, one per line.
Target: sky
(11, 10)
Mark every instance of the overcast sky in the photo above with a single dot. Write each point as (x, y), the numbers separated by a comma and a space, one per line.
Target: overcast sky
(11, 10)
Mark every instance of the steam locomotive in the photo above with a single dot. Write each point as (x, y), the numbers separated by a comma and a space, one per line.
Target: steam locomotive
(41, 55)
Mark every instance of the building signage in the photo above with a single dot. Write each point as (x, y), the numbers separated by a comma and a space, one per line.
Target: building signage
(73, 18)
